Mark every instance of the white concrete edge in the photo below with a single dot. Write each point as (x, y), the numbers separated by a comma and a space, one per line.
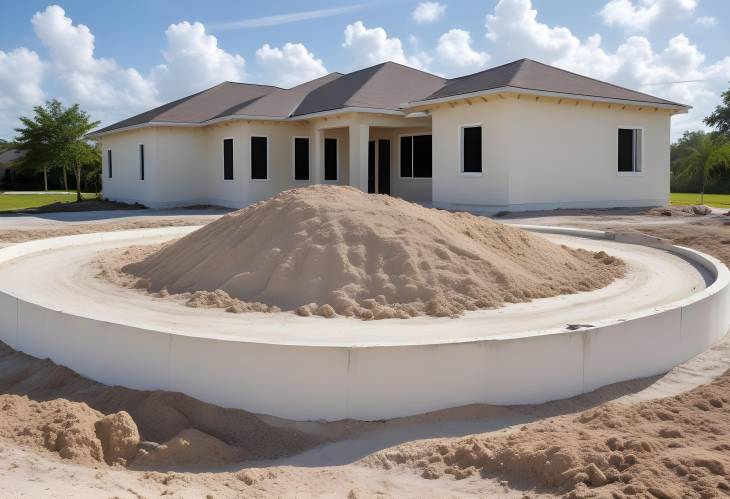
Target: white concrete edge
(713, 265)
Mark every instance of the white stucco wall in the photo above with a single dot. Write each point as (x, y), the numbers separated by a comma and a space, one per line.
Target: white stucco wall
(545, 154)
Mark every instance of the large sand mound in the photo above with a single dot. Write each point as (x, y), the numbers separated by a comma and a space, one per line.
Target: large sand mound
(327, 250)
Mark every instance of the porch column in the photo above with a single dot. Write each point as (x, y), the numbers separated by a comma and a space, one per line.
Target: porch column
(317, 157)
(359, 135)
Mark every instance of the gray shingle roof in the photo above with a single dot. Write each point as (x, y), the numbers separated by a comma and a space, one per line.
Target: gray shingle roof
(532, 75)
(11, 155)
(383, 86)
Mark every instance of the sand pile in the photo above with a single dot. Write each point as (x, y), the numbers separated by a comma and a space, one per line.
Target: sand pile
(331, 250)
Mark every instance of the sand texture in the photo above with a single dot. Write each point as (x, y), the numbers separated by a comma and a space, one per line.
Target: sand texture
(331, 250)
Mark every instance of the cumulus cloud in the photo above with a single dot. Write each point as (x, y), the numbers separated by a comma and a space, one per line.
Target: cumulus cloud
(428, 12)
(455, 51)
(21, 73)
(289, 65)
(369, 46)
(194, 61)
(639, 15)
(677, 72)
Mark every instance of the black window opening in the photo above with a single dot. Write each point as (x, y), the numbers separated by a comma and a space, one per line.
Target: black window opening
(415, 156)
(301, 158)
(109, 162)
(406, 156)
(471, 149)
(141, 161)
(259, 158)
(330, 159)
(629, 150)
(227, 159)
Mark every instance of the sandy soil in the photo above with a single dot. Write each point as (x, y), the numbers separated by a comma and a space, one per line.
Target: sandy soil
(620, 441)
(333, 250)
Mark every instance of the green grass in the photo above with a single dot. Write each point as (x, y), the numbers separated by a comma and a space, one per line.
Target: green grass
(13, 202)
(716, 200)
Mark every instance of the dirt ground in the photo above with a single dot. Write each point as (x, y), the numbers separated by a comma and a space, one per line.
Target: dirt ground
(62, 435)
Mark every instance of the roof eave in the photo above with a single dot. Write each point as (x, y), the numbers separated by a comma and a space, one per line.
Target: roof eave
(681, 108)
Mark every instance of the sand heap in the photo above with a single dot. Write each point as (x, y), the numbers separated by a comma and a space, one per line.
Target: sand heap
(335, 250)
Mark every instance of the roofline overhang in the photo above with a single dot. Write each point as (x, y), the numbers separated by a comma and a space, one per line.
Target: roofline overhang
(246, 117)
(544, 93)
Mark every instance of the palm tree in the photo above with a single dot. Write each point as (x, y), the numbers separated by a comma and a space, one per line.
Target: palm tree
(706, 154)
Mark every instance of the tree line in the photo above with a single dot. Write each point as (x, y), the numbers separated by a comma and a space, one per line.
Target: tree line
(54, 142)
(700, 161)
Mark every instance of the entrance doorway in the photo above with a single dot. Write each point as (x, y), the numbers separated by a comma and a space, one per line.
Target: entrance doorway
(383, 167)
(371, 167)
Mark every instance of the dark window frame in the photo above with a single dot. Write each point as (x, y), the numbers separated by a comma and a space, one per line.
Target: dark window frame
(410, 170)
(308, 158)
(140, 148)
(337, 159)
(228, 170)
(109, 163)
(468, 165)
(267, 154)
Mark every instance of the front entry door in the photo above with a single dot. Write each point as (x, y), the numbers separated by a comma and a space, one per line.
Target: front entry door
(384, 166)
(371, 167)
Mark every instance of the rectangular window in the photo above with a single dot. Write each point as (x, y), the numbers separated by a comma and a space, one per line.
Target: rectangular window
(109, 162)
(227, 159)
(330, 159)
(415, 156)
(629, 150)
(471, 149)
(141, 161)
(259, 158)
(301, 158)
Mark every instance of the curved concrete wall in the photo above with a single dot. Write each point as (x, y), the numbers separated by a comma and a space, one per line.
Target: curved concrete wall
(371, 382)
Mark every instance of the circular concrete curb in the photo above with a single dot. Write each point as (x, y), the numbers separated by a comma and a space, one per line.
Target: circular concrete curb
(370, 381)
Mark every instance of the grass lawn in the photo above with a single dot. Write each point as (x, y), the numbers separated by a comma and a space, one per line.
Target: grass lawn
(716, 200)
(13, 202)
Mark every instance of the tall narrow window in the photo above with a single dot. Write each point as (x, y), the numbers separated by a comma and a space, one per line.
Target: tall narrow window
(141, 161)
(109, 162)
(330, 159)
(406, 156)
(227, 159)
(301, 158)
(259, 158)
(629, 150)
(471, 149)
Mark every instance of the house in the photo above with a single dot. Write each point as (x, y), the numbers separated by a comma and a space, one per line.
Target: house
(7, 162)
(524, 135)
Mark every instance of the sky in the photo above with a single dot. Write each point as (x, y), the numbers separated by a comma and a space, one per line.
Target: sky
(119, 58)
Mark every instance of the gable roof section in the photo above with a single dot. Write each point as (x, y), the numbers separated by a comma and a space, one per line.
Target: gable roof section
(280, 103)
(384, 86)
(199, 107)
(527, 74)
(9, 156)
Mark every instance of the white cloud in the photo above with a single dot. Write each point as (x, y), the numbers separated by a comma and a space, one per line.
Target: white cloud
(454, 50)
(290, 65)
(639, 15)
(706, 21)
(194, 61)
(369, 46)
(677, 72)
(428, 12)
(21, 72)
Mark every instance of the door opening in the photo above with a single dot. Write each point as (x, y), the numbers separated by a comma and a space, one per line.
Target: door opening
(384, 166)
(371, 167)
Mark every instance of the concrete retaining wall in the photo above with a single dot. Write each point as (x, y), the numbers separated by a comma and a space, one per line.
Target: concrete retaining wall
(370, 382)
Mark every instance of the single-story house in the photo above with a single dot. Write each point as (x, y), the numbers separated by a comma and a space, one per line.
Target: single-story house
(8, 158)
(524, 135)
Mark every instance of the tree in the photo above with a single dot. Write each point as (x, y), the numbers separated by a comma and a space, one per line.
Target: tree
(703, 155)
(54, 137)
(720, 117)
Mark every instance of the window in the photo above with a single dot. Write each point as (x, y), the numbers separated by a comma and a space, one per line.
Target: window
(415, 156)
(259, 158)
(471, 149)
(301, 158)
(141, 161)
(629, 150)
(330, 159)
(227, 159)
(109, 162)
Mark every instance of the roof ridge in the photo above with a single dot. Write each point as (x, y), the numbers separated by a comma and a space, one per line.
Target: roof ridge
(488, 69)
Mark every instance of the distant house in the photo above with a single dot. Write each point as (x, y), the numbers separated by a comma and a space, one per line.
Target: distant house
(7, 161)
(524, 135)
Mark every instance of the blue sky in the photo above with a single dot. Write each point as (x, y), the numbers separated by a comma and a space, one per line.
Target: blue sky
(119, 58)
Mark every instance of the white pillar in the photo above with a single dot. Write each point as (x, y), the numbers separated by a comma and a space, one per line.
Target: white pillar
(359, 135)
(317, 157)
